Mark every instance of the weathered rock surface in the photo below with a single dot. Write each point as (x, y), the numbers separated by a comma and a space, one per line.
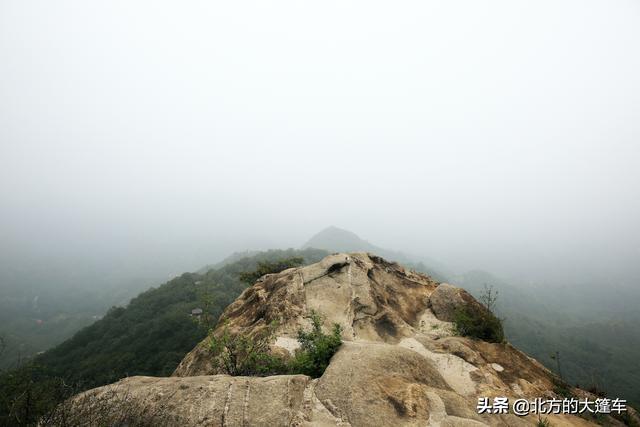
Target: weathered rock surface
(446, 299)
(201, 400)
(400, 363)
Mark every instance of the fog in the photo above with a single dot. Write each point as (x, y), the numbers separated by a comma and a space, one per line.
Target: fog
(144, 139)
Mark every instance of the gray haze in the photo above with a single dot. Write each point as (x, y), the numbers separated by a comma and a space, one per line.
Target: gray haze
(142, 139)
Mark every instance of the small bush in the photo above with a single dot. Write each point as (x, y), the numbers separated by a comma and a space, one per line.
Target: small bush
(245, 355)
(477, 323)
(594, 389)
(561, 388)
(250, 355)
(28, 392)
(543, 422)
(316, 348)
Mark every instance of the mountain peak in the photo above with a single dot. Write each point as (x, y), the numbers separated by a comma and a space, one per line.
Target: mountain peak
(338, 239)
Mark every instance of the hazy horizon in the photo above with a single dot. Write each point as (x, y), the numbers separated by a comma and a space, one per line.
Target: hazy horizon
(143, 139)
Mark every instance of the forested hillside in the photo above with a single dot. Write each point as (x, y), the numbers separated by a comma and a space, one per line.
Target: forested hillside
(598, 349)
(36, 315)
(147, 337)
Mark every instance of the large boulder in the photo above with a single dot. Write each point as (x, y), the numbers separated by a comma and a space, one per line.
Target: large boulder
(216, 400)
(446, 300)
(386, 385)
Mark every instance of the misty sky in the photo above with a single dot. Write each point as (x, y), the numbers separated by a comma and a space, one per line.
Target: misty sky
(154, 137)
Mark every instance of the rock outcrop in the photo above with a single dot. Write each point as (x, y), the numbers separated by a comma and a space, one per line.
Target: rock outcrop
(400, 362)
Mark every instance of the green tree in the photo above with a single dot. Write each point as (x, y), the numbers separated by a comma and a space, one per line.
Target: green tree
(242, 354)
(316, 348)
(479, 320)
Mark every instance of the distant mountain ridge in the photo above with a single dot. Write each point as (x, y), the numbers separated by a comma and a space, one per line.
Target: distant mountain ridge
(336, 239)
(339, 239)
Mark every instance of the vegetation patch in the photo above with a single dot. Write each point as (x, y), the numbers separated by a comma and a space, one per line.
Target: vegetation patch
(270, 267)
(478, 320)
(477, 323)
(543, 422)
(242, 354)
(316, 348)
(561, 388)
(626, 419)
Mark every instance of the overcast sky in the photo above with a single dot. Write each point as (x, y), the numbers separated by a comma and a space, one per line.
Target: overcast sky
(155, 137)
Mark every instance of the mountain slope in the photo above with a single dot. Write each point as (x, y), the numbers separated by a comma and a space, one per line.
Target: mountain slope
(153, 332)
(149, 336)
(598, 349)
(37, 315)
(399, 363)
(545, 320)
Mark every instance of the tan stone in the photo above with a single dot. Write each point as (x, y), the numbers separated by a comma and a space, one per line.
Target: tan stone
(399, 363)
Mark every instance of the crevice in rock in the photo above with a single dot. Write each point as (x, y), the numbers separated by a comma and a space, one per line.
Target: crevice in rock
(245, 406)
(227, 402)
(333, 268)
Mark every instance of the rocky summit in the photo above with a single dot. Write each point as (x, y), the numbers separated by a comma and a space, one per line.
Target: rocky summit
(400, 363)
